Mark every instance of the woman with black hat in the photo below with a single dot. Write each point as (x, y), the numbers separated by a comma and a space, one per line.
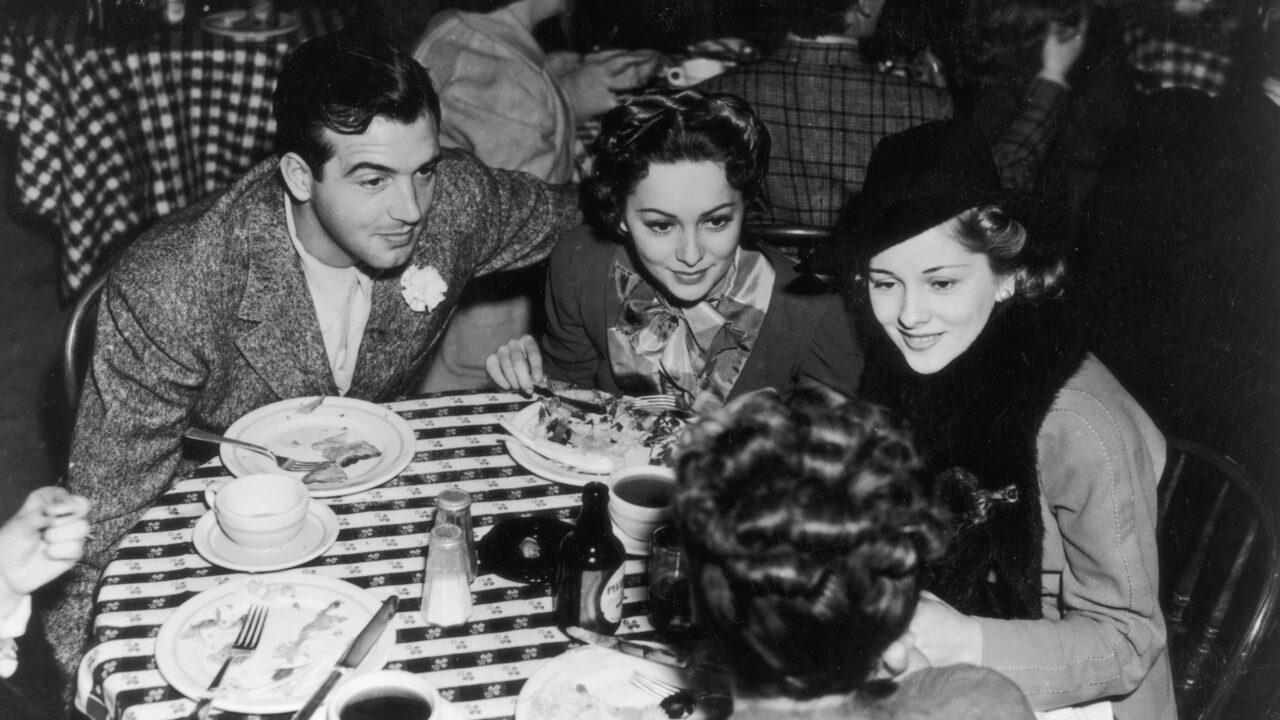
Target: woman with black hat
(1048, 466)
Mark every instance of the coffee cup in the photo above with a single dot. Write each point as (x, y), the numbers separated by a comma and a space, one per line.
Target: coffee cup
(641, 499)
(694, 70)
(260, 511)
(385, 695)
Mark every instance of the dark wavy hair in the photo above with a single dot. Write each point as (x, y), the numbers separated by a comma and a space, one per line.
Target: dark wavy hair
(807, 525)
(341, 82)
(1001, 39)
(688, 126)
(992, 231)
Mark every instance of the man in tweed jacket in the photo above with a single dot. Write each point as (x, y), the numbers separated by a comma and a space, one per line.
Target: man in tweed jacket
(229, 305)
(825, 106)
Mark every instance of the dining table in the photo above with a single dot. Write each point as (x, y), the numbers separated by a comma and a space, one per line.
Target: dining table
(479, 666)
(112, 133)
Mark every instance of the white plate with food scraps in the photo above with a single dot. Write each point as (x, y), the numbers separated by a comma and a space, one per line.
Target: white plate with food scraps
(310, 621)
(597, 443)
(592, 682)
(287, 428)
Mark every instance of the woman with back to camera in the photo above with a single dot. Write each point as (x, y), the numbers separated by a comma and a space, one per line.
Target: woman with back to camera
(1048, 465)
(659, 296)
(807, 526)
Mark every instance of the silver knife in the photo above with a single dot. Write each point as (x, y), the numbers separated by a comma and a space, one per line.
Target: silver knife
(630, 647)
(350, 660)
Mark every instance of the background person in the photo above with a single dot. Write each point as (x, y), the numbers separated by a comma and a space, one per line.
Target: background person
(1048, 465)
(515, 108)
(659, 296)
(808, 526)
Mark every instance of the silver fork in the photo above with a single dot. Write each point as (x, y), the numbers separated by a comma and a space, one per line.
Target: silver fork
(284, 463)
(246, 642)
(660, 402)
(676, 702)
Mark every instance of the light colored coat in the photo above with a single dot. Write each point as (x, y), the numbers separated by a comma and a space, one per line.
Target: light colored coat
(1103, 633)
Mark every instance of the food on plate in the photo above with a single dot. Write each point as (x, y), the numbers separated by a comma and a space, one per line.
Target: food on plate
(562, 697)
(331, 473)
(622, 432)
(337, 449)
(340, 453)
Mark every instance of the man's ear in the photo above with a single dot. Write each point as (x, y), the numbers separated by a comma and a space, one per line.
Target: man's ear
(297, 176)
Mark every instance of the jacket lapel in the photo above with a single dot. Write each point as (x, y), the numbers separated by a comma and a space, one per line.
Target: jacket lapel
(277, 332)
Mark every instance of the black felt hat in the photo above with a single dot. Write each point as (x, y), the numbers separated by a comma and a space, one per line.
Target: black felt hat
(918, 179)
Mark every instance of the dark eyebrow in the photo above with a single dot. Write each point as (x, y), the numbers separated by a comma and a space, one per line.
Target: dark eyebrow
(946, 267)
(712, 211)
(425, 167)
(368, 166)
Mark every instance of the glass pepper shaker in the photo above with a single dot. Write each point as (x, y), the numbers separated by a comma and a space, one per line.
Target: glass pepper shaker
(446, 590)
(453, 507)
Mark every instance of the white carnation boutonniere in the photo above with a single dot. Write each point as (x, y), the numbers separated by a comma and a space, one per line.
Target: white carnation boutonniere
(422, 287)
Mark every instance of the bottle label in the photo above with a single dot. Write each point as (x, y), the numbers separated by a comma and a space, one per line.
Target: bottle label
(611, 598)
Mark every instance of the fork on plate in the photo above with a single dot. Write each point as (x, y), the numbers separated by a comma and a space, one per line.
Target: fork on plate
(284, 463)
(246, 642)
(675, 701)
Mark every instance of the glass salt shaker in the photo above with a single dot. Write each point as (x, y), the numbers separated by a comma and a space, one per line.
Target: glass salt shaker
(453, 507)
(446, 590)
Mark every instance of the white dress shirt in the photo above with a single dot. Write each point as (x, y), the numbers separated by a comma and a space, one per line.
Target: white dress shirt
(342, 300)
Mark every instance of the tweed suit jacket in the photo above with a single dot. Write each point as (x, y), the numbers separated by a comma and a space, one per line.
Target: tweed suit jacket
(207, 317)
(826, 109)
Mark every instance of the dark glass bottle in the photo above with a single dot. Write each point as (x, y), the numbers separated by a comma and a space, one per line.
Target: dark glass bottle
(588, 590)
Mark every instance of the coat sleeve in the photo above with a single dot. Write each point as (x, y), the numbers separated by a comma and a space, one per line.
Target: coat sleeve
(833, 358)
(142, 383)
(492, 220)
(567, 349)
(1098, 476)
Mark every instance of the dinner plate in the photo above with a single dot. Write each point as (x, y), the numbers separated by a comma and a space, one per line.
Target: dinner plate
(281, 428)
(523, 427)
(548, 469)
(224, 24)
(310, 621)
(591, 682)
(319, 531)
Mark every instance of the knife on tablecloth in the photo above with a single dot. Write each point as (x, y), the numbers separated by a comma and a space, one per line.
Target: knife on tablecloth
(351, 659)
(652, 653)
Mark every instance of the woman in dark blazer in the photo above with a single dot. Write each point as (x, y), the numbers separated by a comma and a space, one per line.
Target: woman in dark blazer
(659, 296)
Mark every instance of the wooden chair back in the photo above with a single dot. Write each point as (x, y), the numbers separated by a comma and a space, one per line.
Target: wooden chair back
(77, 342)
(1220, 577)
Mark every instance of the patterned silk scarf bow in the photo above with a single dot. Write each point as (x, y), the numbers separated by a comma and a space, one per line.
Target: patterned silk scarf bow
(697, 352)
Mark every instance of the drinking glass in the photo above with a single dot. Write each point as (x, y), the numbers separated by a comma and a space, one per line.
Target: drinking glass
(670, 605)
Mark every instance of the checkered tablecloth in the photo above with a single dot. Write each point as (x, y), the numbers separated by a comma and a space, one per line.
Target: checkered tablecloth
(112, 136)
(480, 666)
(1168, 63)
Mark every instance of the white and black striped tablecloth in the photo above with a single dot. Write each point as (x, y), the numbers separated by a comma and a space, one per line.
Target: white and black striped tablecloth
(480, 666)
(111, 136)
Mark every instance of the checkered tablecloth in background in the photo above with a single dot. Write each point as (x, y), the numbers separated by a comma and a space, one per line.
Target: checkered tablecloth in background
(480, 666)
(112, 136)
(1169, 63)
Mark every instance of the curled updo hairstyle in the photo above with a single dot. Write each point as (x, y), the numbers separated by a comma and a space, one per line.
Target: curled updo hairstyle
(807, 525)
(688, 126)
(993, 232)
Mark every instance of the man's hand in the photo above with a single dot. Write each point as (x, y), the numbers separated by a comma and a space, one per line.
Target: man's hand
(41, 542)
(1062, 48)
(944, 635)
(516, 365)
(593, 86)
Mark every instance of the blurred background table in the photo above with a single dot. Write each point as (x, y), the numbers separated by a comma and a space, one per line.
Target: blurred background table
(112, 134)
(480, 666)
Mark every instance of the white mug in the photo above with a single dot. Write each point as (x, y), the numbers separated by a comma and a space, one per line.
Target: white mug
(640, 499)
(260, 511)
(387, 694)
